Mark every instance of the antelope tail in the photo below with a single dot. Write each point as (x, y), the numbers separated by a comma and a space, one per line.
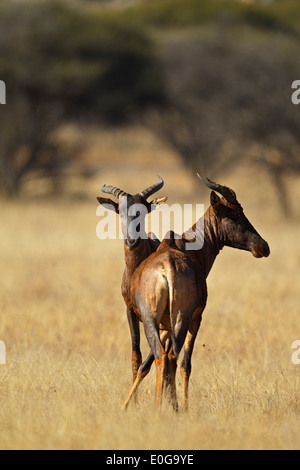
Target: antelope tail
(173, 317)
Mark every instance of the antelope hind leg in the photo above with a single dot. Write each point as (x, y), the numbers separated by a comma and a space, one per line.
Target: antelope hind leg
(171, 379)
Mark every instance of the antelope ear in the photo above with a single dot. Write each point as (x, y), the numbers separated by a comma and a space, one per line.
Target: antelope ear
(215, 201)
(158, 201)
(109, 204)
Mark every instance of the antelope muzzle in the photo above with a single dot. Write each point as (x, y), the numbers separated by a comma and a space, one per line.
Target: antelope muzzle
(259, 249)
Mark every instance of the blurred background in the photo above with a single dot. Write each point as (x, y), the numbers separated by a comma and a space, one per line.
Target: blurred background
(118, 92)
(205, 85)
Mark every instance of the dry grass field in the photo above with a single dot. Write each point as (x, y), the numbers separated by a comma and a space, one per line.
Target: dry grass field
(63, 321)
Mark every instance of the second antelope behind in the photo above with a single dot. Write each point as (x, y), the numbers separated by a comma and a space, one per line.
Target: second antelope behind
(169, 292)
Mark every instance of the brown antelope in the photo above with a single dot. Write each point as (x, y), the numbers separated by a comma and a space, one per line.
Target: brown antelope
(169, 292)
(136, 247)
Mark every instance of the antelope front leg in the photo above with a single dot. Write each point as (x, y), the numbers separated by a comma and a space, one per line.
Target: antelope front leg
(141, 374)
(143, 371)
(160, 364)
(136, 356)
(186, 365)
(171, 379)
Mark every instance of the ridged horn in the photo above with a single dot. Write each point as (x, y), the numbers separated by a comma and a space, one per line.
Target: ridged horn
(226, 192)
(117, 192)
(153, 188)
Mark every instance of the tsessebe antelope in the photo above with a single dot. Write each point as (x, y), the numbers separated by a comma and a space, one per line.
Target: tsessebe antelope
(168, 291)
(137, 247)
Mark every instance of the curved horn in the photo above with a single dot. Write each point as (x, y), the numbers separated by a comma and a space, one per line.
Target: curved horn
(152, 189)
(226, 192)
(113, 190)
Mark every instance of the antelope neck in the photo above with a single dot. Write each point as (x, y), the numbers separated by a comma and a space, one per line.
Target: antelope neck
(212, 240)
(134, 256)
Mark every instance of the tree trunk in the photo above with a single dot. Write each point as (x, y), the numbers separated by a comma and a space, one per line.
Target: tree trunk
(278, 179)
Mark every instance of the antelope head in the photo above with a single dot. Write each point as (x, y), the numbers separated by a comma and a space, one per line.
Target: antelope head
(133, 209)
(234, 229)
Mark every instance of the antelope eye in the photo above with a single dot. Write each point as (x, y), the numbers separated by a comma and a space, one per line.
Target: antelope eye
(234, 214)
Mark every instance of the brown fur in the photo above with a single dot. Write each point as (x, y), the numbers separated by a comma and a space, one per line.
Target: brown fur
(135, 251)
(168, 291)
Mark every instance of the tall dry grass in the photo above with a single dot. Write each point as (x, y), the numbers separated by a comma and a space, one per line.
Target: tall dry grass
(63, 321)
